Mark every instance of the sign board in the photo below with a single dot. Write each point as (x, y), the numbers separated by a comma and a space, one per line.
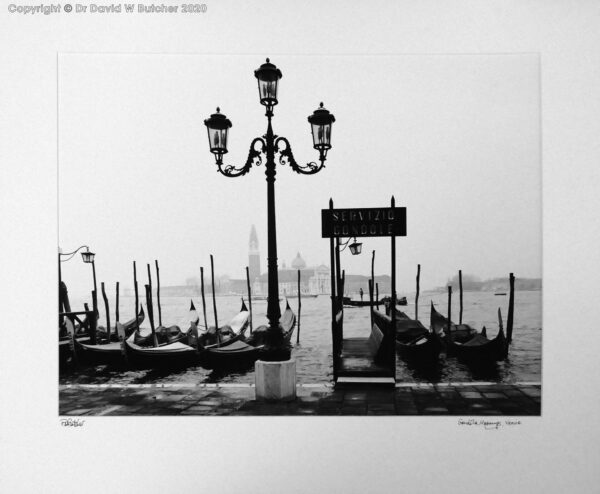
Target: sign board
(363, 222)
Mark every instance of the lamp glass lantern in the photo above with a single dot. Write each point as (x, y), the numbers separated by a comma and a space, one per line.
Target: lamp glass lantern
(268, 76)
(320, 122)
(218, 126)
(88, 256)
(355, 247)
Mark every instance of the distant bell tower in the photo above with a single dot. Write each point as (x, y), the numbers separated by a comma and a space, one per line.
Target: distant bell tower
(253, 255)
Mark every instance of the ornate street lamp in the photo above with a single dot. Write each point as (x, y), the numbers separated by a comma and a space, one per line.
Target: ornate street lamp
(87, 257)
(269, 145)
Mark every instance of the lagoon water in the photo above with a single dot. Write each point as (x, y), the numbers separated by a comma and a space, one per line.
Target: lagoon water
(313, 352)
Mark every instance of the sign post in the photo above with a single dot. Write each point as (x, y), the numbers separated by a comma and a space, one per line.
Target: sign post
(362, 222)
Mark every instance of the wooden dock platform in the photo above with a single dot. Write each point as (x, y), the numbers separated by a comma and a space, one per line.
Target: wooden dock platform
(357, 359)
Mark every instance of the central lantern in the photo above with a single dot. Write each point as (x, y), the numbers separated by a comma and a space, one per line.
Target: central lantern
(268, 77)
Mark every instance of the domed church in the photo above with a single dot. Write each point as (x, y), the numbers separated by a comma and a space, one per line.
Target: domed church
(298, 262)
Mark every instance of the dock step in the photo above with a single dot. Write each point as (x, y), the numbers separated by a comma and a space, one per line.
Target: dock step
(365, 381)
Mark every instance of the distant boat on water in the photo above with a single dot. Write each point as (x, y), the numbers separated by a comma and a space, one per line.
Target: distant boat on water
(500, 293)
(365, 303)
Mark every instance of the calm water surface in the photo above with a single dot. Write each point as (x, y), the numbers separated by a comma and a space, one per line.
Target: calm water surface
(313, 352)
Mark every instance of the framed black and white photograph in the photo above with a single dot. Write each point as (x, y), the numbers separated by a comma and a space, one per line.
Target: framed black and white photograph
(299, 248)
(440, 151)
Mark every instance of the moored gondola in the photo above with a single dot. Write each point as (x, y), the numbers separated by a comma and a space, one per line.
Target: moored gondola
(480, 349)
(461, 333)
(347, 301)
(171, 348)
(467, 344)
(104, 350)
(129, 327)
(414, 342)
(231, 332)
(241, 354)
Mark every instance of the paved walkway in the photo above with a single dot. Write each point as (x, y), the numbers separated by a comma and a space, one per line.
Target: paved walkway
(222, 399)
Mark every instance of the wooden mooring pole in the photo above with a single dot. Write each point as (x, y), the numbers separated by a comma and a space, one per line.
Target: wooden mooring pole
(417, 295)
(391, 348)
(151, 313)
(333, 301)
(299, 309)
(338, 275)
(460, 296)
(107, 313)
(249, 296)
(212, 278)
(91, 325)
(158, 294)
(150, 285)
(449, 323)
(117, 306)
(371, 300)
(203, 298)
(373, 273)
(137, 300)
(377, 295)
(511, 309)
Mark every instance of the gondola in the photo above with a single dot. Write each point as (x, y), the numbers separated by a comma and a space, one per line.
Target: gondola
(461, 333)
(347, 301)
(106, 350)
(399, 301)
(229, 333)
(477, 348)
(172, 348)
(414, 342)
(480, 349)
(241, 354)
(129, 327)
(357, 303)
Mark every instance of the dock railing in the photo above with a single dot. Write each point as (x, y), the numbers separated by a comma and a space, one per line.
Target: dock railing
(86, 319)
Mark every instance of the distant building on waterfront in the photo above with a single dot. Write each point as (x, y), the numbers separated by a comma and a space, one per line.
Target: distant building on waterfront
(253, 256)
(314, 280)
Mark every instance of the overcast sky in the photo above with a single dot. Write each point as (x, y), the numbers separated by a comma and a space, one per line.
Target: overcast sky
(455, 138)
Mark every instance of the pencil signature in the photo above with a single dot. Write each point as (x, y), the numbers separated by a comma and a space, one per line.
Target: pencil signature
(72, 422)
(489, 424)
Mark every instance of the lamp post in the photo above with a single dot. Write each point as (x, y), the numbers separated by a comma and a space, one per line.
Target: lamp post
(88, 258)
(270, 145)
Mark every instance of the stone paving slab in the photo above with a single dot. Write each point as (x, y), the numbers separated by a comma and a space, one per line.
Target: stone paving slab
(447, 399)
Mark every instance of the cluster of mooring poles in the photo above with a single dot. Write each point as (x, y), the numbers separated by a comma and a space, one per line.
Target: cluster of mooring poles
(82, 336)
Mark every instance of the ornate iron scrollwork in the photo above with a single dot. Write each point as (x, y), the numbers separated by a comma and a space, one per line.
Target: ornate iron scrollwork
(286, 157)
(254, 158)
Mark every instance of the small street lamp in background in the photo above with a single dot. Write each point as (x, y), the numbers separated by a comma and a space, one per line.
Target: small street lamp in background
(267, 147)
(355, 247)
(88, 258)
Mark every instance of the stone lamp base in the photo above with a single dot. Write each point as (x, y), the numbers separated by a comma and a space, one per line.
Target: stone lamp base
(275, 381)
